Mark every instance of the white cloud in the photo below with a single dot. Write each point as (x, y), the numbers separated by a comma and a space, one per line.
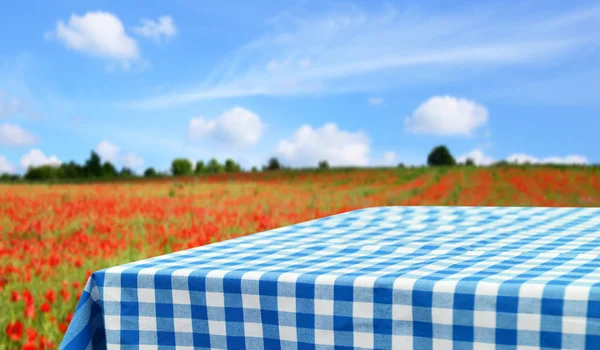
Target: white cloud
(447, 116)
(376, 100)
(14, 135)
(9, 105)
(477, 156)
(35, 157)
(6, 166)
(521, 158)
(237, 126)
(338, 147)
(156, 30)
(108, 151)
(133, 161)
(357, 50)
(100, 34)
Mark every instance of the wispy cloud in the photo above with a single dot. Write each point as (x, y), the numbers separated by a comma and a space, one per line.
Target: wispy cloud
(331, 53)
(164, 27)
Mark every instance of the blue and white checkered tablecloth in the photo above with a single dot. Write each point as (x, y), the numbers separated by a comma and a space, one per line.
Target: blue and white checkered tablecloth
(377, 278)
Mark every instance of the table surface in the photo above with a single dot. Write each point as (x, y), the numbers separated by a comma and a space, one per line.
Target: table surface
(376, 278)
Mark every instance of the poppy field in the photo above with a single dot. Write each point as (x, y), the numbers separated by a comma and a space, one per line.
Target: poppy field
(54, 236)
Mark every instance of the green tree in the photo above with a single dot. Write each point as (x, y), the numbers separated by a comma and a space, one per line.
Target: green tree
(109, 170)
(469, 162)
(440, 156)
(273, 164)
(401, 165)
(214, 166)
(93, 166)
(200, 168)
(126, 172)
(72, 170)
(43, 172)
(6, 177)
(254, 169)
(150, 172)
(181, 166)
(231, 166)
(323, 165)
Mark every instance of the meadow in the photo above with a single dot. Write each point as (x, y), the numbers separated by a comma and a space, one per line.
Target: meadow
(54, 236)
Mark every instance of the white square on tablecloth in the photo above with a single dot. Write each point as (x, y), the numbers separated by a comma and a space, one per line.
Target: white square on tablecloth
(147, 323)
(327, 280)
(253, 330)
(577, 293)
(402, 342)
(487, 288)
(181, 297)
(441, 344)
(215, 299)
(324, 307)
(286, 304)
(402, 312)
(364, 340)
(251, 301)
(217, 327)
(486, 346)
(111, 294)
(183, 325)
(146, 295)
(362, 309)
(535, 291)
(288, 333)
(485, 319)
(324, 337)
(112, 322)
(441, 315)
(529, 322)
(574, 325)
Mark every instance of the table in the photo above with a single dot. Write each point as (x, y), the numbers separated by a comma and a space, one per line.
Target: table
(383, 278)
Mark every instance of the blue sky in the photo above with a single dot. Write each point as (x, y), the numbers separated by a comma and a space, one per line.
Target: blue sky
(355, 83)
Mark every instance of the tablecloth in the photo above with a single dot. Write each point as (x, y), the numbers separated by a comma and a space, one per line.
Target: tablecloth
(375, 278)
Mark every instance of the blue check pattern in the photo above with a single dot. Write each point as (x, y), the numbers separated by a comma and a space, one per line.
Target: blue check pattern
(376, 278)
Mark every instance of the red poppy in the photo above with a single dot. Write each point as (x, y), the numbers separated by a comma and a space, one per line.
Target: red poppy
(28, 297)
(44, 343)
(45, 307)
(14, 330)
(15, 296)
(31, 334)
(64, 293)
(69, 317)
(30, 345)
(62, 327)
(29, 311)
(50, 296)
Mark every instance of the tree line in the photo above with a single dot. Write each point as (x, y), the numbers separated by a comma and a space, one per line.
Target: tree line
(94, 168)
